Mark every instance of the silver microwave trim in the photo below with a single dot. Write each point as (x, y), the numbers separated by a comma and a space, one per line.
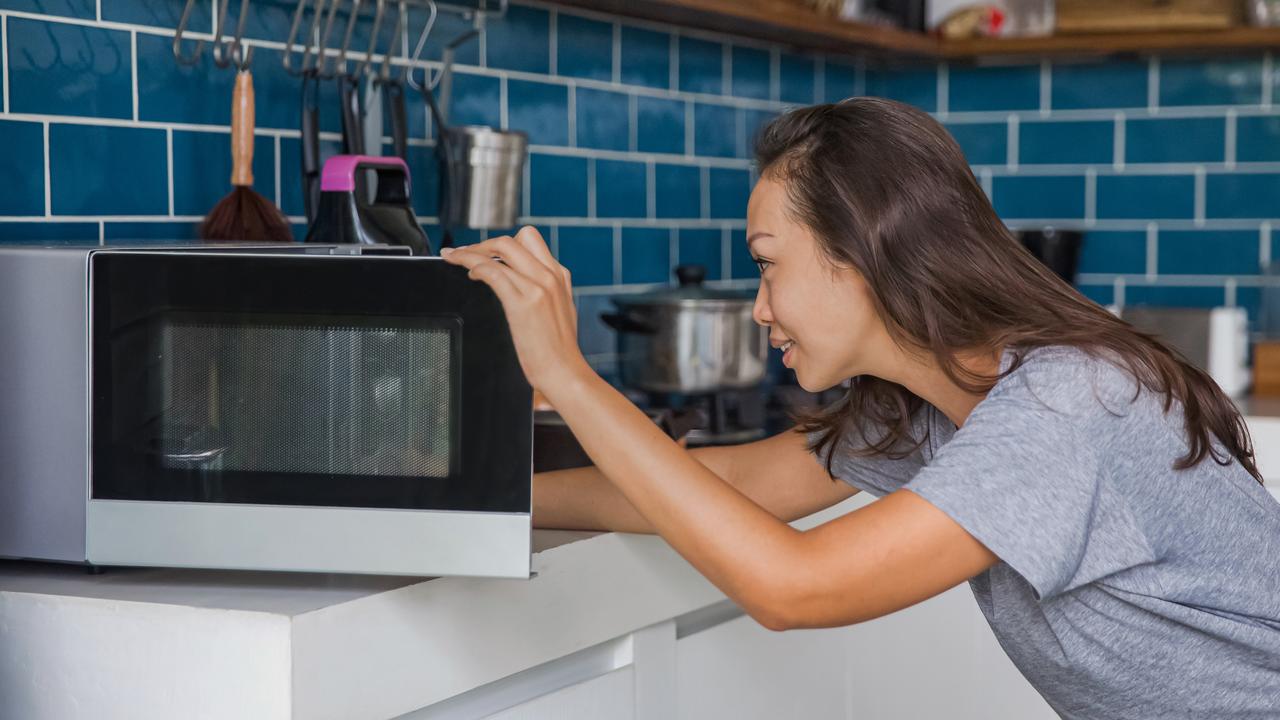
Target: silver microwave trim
(310, 539)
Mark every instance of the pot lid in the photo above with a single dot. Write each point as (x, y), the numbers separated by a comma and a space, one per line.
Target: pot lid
(691, 291)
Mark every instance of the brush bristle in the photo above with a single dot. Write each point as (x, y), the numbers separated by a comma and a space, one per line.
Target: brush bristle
(245, 216)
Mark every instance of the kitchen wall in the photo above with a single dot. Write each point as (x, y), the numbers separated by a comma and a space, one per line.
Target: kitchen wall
(640, 139)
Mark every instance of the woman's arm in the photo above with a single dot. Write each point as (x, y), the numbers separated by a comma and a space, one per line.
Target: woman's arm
(880, 558)
(779, 474)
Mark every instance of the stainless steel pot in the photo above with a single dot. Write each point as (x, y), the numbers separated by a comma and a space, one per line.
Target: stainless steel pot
(688, 340)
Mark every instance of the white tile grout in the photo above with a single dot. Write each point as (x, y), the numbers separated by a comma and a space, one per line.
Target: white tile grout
(1046, 87)
(48, 194)
(102, 232)
(133, 70)
(502, 103)
(1012, 143)
(726, 69)
(1229, 292)
(616, 61)
(1264, 246)
(673, 60)
(704, 192)
(944, 90)
(1090, 197)
(1200, 196)
(276, 149)
(688, 128)
(650, 190)
(673, 249)
(726, 251)
(1153, 249)
(168, 161)
(1153, 84)
(573, 116)
(617, 254)
(4, 59)
(591, 187)
(1229, 142)
(633, 123)
(1118, 140)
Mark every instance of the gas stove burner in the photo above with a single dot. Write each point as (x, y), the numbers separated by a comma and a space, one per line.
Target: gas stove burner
(733, 416)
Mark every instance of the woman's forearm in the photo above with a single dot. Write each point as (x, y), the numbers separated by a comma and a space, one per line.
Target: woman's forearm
(583, 499)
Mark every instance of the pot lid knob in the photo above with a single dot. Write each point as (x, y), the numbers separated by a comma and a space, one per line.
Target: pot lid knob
(691, 275)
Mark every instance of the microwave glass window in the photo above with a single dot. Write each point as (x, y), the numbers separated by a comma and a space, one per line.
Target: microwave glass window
(309, 398)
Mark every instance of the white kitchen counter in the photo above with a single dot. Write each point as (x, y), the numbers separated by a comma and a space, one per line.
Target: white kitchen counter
(156, 643)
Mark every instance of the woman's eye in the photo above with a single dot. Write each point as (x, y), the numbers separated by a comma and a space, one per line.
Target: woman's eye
(761, 263)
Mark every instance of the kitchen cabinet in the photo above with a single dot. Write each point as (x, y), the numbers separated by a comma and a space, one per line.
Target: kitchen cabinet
(607, 696)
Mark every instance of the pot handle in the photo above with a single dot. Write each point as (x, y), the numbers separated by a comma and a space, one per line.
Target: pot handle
(627, 321)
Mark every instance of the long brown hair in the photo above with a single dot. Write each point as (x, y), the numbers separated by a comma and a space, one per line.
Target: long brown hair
(887, 191)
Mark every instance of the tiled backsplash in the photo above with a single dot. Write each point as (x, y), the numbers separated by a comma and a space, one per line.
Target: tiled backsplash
(640, 137)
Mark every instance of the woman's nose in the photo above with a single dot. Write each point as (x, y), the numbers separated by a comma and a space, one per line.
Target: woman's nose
(760, 310)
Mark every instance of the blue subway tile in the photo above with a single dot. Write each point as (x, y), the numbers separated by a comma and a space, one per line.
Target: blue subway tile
(59, 69)
(917, 87)
(620, 189)
(1258, 138)
(714, 130)
(1066, 142)
(46, 233)
(751, 72)
(701, 66)
(1039, 197)
(741, 266)
(520, 41)
(202, 170)
(730, 189)
(982, 143)
(539, 109)
(603, 120)
(291, 172)
(156, 14)
(171, 92)
(1250, 298)
(755, 122)
(660, 125)
(645, 58)
(1242, 196)
(558, 185)
(1113, 252)
(839, 81)
(701, 247)
(22, 172)
(1175, 140)
(1112, 84)
(1213, 82)
(646, 255)
(461, 236)
(271, 21)
(1145, 197)
(588, 254)
(796, 75)
(150, 233)
(424, 178)
(584, 47)
(677, 191)
(475, 100)
(130, 174)
(1175, 295)
(1014, 87)
(1100, 294)
(1207, 252)
(84, 9)
(49, 233)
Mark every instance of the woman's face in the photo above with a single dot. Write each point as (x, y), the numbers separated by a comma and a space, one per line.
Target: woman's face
(821, 313)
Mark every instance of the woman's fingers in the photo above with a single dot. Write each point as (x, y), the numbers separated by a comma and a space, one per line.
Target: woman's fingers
(530, 239)
(483, 267)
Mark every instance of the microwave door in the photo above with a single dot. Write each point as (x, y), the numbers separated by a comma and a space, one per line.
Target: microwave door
(283, 417)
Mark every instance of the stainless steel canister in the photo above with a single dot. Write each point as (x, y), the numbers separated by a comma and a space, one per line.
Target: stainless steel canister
(690, 339)
(487, 176)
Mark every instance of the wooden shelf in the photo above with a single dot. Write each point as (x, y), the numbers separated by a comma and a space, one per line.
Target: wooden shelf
(794, 25)
(1245, 38)
(773, 20)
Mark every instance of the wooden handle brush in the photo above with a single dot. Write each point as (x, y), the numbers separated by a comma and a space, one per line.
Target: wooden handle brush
(244, 215)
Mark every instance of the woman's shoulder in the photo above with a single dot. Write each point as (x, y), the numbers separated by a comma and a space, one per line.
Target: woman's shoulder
(1069, 379)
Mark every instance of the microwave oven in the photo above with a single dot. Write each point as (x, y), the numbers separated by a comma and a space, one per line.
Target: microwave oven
(293, 408)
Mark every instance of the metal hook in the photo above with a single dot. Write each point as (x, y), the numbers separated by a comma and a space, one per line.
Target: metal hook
(293, 35)
(341, 60)
(312, 34)
(417, 49)
(227, 52)
(322, 59)
(384, 70)
(177, 39)
(373, 40)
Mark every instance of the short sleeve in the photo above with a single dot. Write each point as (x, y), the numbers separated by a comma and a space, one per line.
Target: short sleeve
(1024, 479)
(876, 474)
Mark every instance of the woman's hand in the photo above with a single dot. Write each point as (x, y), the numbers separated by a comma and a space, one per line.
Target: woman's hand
(535, 292)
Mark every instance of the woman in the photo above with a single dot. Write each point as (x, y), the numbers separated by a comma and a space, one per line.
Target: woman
(1098, 492)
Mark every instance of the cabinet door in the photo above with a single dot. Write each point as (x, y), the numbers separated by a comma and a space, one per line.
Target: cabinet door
(741, 670)
(608, 696)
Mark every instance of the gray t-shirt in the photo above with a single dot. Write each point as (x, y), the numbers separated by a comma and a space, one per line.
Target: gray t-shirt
(1125, 588)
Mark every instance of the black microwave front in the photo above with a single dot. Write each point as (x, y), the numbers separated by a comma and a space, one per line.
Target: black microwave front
(260, 410)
